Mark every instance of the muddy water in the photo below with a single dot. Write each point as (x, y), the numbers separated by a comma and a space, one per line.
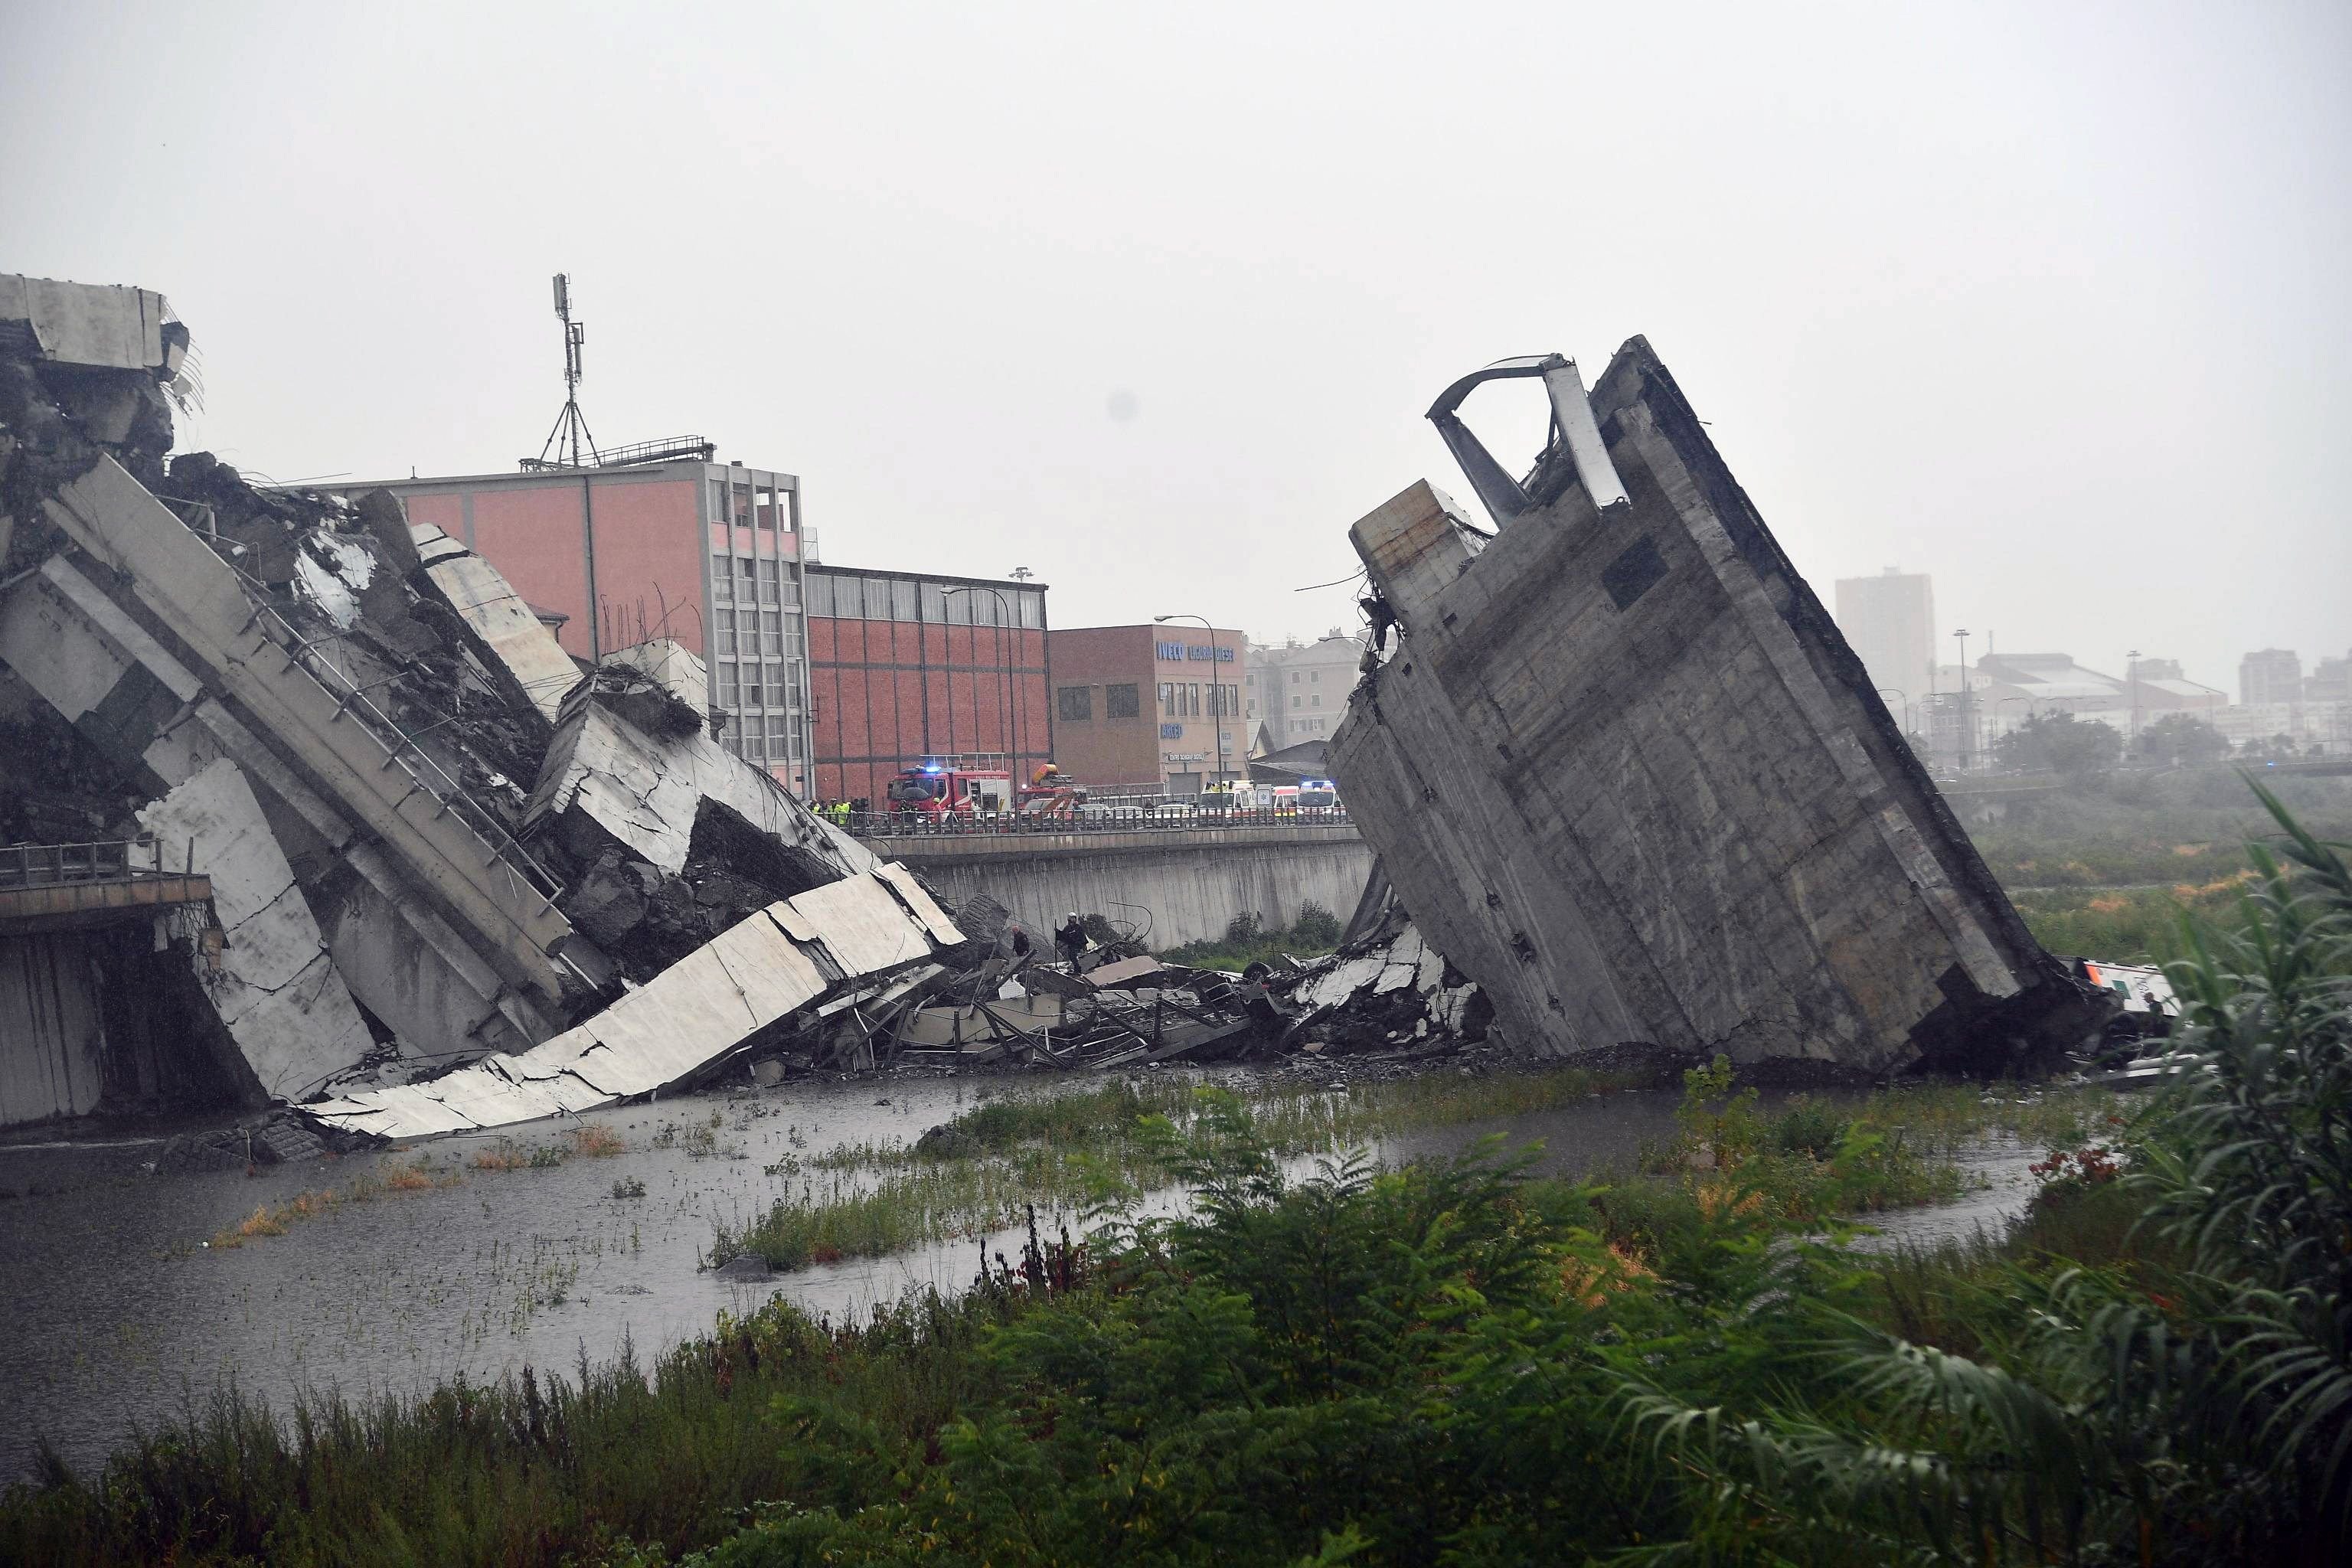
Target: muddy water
(117, 1316)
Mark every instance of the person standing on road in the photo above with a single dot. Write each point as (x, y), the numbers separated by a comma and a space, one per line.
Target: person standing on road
(1070, 938)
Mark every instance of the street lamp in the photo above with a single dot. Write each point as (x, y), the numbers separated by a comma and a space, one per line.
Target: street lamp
(1968, 726)
(1905, 696)
(1004, 668)
(1217, 700)
(2131, 677)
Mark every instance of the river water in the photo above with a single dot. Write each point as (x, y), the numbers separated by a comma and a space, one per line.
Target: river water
(119, 1315)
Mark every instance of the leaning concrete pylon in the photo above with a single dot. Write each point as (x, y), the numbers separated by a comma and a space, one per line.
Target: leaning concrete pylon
(1625, 772)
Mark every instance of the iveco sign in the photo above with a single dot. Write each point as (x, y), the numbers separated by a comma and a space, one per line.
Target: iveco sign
(1202, 651)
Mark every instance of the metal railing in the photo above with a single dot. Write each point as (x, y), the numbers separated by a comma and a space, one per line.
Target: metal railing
(1115, 819)
(399, 747)
(103, 860)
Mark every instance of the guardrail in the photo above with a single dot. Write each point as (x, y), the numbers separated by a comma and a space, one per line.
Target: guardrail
(425, 775)
(103, 861)
(1117, 819)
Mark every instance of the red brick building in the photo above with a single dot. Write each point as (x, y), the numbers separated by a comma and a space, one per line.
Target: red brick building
(708, 553)
(904, 665)
(1151, 708)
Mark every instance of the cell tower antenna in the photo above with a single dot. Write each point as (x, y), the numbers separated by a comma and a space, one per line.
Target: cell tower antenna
(570, 437)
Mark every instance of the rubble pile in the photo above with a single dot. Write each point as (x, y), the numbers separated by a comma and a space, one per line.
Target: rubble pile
(1385, 989)
(433, 839)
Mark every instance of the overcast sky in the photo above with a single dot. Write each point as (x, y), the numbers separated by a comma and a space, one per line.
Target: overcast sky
(2049, 300)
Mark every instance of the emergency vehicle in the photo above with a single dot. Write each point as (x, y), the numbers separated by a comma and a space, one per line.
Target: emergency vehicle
(944, 786)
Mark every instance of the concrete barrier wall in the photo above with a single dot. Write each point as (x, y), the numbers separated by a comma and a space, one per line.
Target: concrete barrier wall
(1191, 883)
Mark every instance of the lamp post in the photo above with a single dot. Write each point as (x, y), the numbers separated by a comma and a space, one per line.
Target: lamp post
(1216, 697)
(1906, 697)
(1967, 727)
(1004, 668)
(2131, 677)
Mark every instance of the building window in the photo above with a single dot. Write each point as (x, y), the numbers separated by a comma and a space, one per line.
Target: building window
(750, 685)
(769, 571)
(820, 594)
(1294, 699)
(755, 740)
(1318, 701)
(1293, 677)
(772, 632)
(728, 690)
(1033, 610)
(1075, 703)
(902, 598)
(1121, 701)
(1315, 678)
(723, 578)
(722, 641)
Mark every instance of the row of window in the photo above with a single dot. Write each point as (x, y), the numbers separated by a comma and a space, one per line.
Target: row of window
(749, 506)
(923, 599)
(1314, 677)
(1317, 701)
(1178, 700)
(758, 739)
(1181, 700)
(750, 632)
(1308, 726)
(741, 579)
(765, 685)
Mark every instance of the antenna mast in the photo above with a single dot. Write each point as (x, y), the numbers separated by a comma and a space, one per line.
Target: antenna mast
(565, 442)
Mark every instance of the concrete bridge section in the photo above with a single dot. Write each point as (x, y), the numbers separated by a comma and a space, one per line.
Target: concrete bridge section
(1186, 884)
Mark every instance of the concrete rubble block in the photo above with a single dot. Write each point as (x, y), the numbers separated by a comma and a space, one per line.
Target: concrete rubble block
(670, 665)
(94, 325)
(645, 791)
(276, 987)
(447, 846)
(1625, 772)
(517, 647)
(827, 950)
(129, 696)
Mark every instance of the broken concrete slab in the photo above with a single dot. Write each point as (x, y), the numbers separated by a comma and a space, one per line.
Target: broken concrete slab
(692, 1015)
(453, 848)
(518, 646)
(273, 983)
(96, 325)
(1623, 771)
(646, 791)
(142, 707)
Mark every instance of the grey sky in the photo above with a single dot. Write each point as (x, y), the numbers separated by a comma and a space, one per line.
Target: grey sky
(2047, 300)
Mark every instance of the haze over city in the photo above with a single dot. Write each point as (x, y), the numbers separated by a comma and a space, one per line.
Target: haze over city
(2042, 302)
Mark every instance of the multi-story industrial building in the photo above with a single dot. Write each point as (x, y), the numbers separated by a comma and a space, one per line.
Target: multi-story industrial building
(1889, 621)
(708, 554)
(903, 666)
(2273, 675)
(1297, 693)
(1150, 709)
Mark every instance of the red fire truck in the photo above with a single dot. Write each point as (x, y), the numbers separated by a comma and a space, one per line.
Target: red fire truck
(944, 786)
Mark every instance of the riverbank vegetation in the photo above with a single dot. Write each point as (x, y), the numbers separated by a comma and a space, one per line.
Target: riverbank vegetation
(1064, 1156)
(1458, 1362)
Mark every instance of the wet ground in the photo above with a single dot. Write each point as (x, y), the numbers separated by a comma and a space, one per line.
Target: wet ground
(119, 1315)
